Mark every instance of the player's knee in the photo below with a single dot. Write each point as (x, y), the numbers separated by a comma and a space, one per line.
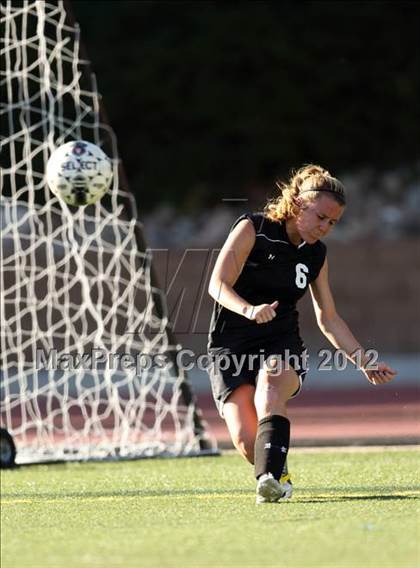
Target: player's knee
(269, 397)
(268, 388)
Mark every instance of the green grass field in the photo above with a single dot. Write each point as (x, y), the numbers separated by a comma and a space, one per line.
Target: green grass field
(350, 508)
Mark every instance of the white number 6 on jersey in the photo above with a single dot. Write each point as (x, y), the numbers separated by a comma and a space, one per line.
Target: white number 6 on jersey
(301, 272)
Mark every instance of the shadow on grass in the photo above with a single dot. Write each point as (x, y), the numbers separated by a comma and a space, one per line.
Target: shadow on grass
(344, 498)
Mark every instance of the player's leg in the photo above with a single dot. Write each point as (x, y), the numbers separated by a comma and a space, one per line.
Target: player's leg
(273, 433)
(273, 392)
(241, 419)
(233, 394)
(234, 397)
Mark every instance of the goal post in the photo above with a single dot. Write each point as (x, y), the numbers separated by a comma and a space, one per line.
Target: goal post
(88, 359)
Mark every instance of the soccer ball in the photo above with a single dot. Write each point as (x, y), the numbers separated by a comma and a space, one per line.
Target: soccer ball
(79, 172)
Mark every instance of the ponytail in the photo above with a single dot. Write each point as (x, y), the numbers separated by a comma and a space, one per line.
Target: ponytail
(309, 180)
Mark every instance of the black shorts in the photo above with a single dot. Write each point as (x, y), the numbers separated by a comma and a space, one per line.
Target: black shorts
(230, 369)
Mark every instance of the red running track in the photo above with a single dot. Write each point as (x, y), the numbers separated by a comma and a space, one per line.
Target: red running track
(364, 416)
(372, 415)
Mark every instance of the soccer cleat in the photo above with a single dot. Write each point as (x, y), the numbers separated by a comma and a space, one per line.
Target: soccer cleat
(286, 485)
(269, 489)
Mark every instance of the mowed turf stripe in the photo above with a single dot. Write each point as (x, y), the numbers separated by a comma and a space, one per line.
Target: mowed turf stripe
(79, 498)
(322, 497)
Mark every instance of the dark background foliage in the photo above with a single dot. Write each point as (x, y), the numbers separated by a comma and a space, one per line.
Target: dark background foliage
(215, 98)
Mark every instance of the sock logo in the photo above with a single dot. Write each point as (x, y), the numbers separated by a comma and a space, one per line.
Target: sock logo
(269, 445)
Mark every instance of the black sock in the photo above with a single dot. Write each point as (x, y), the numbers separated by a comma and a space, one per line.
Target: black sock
(271, 445)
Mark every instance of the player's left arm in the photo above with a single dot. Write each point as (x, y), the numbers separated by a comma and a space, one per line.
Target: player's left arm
(338, 333)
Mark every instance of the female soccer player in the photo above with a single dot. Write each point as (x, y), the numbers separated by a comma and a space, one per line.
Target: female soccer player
(257, 355)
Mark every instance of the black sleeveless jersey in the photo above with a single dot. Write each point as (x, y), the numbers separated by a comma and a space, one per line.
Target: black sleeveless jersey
(275, 269)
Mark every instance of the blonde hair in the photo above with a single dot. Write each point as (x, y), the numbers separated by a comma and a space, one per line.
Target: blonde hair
(310, 180)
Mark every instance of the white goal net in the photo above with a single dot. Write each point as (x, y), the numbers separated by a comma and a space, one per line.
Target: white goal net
(88, 366)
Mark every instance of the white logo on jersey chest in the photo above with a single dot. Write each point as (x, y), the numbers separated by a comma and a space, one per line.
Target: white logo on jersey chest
(271, 256)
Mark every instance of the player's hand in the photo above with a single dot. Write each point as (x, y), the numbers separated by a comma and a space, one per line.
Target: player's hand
(383, 374)
(264, 312)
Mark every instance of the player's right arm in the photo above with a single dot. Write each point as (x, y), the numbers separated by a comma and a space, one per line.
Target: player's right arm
(228, 267)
